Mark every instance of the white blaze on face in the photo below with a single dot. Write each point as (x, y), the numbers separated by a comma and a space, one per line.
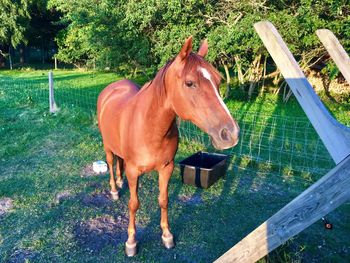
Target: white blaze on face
(207, 75)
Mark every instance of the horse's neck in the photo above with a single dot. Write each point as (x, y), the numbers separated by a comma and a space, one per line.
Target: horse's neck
(158, 114)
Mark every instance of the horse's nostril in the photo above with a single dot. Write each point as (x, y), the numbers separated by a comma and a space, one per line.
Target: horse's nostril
(225, 134)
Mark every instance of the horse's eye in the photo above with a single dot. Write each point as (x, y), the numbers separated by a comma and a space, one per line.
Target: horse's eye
(189, 84)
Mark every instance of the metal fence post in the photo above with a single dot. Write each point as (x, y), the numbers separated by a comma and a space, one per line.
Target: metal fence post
(53, 106)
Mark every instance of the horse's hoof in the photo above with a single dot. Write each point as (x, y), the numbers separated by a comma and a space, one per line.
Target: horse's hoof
(114, 195)
(168, 242)
(130, 249)
(120, 184)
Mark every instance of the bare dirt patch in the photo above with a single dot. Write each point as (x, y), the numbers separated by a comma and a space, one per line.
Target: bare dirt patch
(97, 233)
(101, 199)
(6, 204)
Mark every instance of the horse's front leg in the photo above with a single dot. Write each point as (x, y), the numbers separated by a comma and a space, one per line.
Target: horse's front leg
(164, 177)
(131, 244)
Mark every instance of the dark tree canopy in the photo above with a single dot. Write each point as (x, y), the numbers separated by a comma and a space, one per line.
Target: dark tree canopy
(27, 23)
(110, 33)
(151, 31)
(14, 19)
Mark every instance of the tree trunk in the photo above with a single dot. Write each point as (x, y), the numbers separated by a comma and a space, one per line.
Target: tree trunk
(326, 85)
(2, 57)
(277, 79)
(264, 76)
(254, 75)
(21, 54)
(10, 58)
(228, 80)
(239, 70)
(2, 61)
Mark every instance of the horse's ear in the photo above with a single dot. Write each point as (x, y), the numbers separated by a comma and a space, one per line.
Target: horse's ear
(186, 49)
(203, 50)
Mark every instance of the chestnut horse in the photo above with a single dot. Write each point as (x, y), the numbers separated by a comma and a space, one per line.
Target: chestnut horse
(138, 127)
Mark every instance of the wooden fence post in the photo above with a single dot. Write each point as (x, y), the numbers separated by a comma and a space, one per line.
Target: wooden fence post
(322, 197)
(336, 51)
(53, 106)
(335, 136)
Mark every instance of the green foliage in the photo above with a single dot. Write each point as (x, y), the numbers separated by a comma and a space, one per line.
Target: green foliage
(111, 33)
(43, 26)
(330, 70)
(26, 23)
(97, 33)
(148, 33)
(14, 18)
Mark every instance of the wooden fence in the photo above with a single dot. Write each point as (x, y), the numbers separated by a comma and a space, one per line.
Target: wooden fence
(331, 190)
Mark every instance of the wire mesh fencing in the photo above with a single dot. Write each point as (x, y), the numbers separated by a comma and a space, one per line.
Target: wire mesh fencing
(272, 144)
(287, 146)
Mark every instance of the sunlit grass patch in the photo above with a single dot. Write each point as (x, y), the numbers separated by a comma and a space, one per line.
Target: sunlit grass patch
(43, 156)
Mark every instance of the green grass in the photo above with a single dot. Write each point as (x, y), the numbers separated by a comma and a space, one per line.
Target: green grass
(42, 155)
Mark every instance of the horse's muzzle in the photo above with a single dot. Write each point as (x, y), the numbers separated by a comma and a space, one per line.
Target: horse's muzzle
(225, 137)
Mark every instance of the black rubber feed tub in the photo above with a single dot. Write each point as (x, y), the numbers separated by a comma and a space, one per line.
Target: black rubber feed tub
(203, 169)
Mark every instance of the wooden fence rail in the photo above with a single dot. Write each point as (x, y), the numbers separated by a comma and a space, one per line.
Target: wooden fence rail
(314, 203)
(335, 136)
(326, 194)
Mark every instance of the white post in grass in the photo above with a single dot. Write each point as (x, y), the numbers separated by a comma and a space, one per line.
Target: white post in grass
(336, 51)
(53, 106)
(335, 136)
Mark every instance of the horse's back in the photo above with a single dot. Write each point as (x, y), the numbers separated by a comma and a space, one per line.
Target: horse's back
(111, 104)
(114, 95)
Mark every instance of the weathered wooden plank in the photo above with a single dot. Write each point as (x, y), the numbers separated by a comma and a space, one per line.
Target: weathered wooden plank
(325, 195)
(336, 51)
(335, 136)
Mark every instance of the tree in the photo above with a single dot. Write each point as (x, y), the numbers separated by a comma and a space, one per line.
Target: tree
(43, 27)
(14, 19)
(149, 32)
(96, 34)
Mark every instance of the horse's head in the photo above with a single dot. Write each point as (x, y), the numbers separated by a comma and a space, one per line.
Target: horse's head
(193, 91)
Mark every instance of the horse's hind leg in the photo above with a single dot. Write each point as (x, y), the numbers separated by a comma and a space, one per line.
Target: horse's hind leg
(110, 161)
(120, 171)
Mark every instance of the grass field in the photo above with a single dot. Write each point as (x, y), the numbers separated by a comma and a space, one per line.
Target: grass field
(54, 209)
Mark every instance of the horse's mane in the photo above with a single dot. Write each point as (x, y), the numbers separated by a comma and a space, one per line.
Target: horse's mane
(159, 80)
(193, 61)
